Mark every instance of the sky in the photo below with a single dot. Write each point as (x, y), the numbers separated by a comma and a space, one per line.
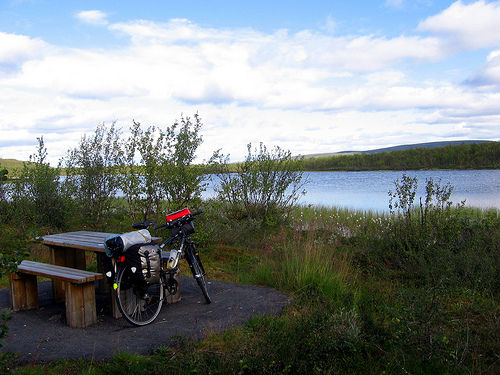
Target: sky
(307, 76)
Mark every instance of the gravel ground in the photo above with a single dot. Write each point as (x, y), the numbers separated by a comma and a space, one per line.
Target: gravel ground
(42, 335)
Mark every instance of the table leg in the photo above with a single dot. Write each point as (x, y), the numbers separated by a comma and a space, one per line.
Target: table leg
(115, 311)
(67, 257)
(103, 285)
(105, 288)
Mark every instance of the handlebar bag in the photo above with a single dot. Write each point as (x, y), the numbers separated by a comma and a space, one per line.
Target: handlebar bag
(144, 261)
(186, 229)
(177, 215)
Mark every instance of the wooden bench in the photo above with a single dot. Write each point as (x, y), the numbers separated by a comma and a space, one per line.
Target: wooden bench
(78, 286)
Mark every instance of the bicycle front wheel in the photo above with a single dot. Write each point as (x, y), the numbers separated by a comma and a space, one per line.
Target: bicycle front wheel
(199, 276)
(139, 304)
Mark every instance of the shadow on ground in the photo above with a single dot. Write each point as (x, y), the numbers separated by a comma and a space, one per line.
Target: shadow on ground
(42, 335)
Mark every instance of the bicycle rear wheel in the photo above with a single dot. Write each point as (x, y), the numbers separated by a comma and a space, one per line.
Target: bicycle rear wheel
(139, 304)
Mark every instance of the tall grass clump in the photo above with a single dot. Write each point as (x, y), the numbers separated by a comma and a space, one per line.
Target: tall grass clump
(339, 223)
(304, 265)
(308, 269)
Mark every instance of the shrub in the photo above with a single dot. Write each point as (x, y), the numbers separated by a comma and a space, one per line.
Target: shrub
(164, 177)
(92, 178)
(3, 195)
(435, 243)
(141, 181)
(265, 185)
(37, 197)
(182, 180)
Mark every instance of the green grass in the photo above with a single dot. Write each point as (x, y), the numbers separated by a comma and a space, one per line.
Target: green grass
(354, 310)
(13, 167)
(11, 163)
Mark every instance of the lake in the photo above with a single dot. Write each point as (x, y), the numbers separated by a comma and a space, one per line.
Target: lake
(369, 190)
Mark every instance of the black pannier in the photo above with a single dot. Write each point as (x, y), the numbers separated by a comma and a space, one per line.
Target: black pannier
(108, 269)
(144, 261)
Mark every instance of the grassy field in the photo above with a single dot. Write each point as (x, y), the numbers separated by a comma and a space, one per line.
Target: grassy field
(372, 294)
(11, 163)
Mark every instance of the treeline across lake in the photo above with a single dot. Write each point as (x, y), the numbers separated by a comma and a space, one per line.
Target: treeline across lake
(465, 156)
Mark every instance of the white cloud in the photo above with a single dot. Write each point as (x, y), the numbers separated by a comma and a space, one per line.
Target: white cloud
(93, 17)
(15, 49)
(306, 91)
(470, 26)
(84, 74)
(306, 48)
(488, 78)
(176, 30)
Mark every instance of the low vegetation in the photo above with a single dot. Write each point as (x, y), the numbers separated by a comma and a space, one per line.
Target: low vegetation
(412, 291)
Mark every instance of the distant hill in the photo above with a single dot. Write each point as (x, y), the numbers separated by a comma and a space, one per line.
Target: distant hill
(10, 163)
(399, 148)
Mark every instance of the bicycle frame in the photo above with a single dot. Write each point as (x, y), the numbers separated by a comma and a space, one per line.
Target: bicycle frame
(187, 248)
(142, 304)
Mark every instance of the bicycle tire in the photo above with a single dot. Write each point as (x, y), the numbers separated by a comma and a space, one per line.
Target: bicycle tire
(139, 305)
(200, 278)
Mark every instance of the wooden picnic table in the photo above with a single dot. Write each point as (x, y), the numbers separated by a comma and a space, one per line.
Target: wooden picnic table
(68, 250)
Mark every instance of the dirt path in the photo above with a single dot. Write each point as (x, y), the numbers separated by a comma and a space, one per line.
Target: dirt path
(42, 335)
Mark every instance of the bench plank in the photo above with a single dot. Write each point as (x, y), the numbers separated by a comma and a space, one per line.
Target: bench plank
(58, 272)
(47, 266)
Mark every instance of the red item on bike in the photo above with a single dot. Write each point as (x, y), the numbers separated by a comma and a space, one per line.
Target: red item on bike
(177, 214)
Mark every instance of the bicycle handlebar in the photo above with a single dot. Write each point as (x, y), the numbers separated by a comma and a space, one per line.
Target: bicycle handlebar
(180, 221)
(142, 225)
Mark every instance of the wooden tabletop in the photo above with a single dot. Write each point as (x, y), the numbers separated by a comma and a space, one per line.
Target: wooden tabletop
(84, 240)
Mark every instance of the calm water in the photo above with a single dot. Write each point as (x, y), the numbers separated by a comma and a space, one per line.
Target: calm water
(368, 190)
